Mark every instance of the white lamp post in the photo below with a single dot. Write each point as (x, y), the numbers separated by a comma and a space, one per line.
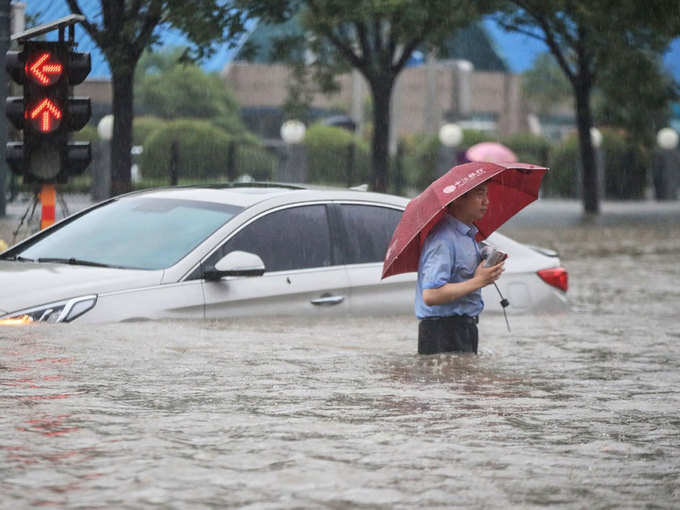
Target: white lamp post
(595, 137)
(293, 131)
(667, 138)
(596, 140)
(101, 170)
(294, 168)
(105, 128)
(666, 165)
(450, 137)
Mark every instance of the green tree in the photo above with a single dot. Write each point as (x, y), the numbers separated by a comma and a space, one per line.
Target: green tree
(545, 85)
(636, 94)
(123, 29)
(377, 37)
(586, 37)
(185, 90)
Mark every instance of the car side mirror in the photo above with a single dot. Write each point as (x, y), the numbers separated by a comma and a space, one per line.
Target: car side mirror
(236, 263)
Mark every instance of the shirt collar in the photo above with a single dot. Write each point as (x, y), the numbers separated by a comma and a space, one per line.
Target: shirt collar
(461, 227)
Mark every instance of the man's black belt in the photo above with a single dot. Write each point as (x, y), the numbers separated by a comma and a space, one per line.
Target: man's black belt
(461, 318)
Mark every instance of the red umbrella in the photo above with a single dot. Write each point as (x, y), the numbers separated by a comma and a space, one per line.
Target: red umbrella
(490, 151)
(511, 186)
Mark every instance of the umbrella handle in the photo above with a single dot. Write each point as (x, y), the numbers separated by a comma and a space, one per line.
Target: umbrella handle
(504, 303)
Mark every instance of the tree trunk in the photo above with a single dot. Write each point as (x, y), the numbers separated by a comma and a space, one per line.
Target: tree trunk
(121, 160)
(591, 195)
(382, 94)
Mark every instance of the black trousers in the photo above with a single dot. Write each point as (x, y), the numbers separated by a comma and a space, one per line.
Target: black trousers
(457, 333)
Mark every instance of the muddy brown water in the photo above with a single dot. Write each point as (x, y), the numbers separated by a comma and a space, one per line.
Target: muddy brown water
(579, 410)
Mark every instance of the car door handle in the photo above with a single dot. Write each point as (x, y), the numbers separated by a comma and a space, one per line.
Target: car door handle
(328, 300)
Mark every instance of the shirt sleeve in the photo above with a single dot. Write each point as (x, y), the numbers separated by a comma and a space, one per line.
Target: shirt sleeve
(436, 263)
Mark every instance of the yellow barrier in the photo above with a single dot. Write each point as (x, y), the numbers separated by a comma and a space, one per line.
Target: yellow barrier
(3, 245)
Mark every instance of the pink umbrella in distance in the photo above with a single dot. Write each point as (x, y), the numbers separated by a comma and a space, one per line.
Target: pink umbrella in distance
(490, 151)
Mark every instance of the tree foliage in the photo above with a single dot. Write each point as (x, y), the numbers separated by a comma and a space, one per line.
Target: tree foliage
(123, 29)
(184, 90)
(545, 85)
(377, 38)
(589, 39)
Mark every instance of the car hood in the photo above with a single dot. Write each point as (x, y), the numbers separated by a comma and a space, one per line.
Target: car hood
(27, 284)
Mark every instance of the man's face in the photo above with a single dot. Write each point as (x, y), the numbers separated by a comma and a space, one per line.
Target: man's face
(472, 205)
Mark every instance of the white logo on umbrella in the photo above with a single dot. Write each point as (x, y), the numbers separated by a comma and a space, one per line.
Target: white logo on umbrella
(451, 188)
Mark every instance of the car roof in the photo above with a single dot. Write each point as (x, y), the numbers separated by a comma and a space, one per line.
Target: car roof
(248, 194)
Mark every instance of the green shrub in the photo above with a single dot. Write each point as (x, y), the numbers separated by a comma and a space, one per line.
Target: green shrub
(564, 163)
(143, 126)
(203, 151)
(529, 148)
(473, 136)
(625, 166)
(422, 152)
(328, 156)
(420, 160)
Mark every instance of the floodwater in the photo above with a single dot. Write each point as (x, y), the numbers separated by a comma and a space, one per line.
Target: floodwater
(579, 410)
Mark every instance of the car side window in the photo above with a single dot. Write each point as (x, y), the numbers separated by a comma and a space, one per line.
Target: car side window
(368, 231)
(288, 239)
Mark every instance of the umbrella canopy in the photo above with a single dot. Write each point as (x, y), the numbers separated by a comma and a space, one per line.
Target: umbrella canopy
(490, 151)
(511, 187)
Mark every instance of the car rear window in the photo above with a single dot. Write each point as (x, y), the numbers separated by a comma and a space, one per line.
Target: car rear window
(367, 232)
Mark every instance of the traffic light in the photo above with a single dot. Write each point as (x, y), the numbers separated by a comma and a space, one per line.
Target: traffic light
(47, 113)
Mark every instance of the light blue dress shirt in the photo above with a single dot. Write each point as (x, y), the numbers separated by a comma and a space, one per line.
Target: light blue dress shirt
(450, 255)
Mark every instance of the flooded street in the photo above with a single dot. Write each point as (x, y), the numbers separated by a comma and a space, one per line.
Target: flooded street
(575, 411)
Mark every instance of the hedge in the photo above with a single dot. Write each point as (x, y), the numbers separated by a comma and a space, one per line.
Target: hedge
(421, 156)
(203, 151)
(528, 148)
(625, 167)
(328, 156)
(143, 126)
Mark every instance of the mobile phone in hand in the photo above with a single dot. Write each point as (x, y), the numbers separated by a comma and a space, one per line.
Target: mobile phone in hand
(495, 256)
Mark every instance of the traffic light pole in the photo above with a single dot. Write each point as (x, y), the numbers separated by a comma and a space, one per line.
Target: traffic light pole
(48, 201)
(4, 46)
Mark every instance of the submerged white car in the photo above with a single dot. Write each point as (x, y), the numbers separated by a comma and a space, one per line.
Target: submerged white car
(217, 252)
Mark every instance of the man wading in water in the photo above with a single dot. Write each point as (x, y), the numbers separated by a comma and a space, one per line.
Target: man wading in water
(451, 274)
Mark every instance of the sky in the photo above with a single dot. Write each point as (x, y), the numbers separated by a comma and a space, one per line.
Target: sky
(519, 51)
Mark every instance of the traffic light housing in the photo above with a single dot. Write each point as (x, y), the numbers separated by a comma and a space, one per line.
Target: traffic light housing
(47, 113)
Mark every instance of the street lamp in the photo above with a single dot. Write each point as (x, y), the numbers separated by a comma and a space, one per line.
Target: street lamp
(450, 137)
(293, 131)
(294, 168)
(105, 128)
(101, 170)
(595, 137)
(596, 140)
(666, 164)
(667, 138)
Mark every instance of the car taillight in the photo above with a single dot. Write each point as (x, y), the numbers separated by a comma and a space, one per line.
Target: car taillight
(555, 276)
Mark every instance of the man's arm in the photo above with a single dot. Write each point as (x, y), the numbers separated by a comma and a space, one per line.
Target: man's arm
(452, 291)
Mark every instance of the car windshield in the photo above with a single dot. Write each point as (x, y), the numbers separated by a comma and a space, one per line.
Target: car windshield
(135, 232)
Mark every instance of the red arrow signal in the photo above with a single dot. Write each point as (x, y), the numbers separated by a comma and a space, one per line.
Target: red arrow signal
(46, 116)
(45, 69)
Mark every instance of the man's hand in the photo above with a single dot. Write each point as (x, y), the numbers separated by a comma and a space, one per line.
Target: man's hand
(487, 275)
(451, 291)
